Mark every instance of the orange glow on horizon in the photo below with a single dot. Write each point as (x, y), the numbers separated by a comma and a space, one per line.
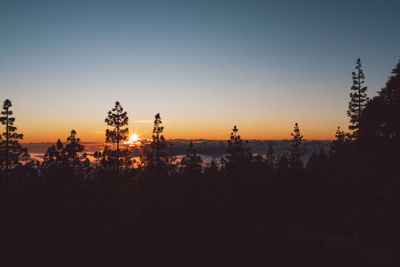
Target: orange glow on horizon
(170, 132)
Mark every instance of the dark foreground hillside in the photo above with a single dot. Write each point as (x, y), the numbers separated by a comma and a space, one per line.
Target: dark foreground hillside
(232, 217)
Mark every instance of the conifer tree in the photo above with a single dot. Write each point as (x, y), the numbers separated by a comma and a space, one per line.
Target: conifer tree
(105, 157)
(238, 153)
(126, 156)
(9, 146)
(25, 155)
(170, 159)
(191, 162)
(97, 156)
(380, 122)
(339, 144)
(298, 149)
(117, 118)
(158, 143)
(73, 150)
(358, 99)
(55, 156)
(384, 113)
(69, 156)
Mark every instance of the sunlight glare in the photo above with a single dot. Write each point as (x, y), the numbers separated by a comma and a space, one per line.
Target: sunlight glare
(133, 138)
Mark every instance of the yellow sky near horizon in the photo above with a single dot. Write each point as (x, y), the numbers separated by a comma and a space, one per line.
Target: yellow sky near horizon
(212, 130)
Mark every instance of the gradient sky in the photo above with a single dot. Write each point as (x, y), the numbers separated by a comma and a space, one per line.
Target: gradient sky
(204, 65)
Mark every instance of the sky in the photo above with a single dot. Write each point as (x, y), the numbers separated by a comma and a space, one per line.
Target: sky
(203, 65)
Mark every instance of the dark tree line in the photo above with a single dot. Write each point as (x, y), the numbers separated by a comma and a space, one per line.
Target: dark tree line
(339, 208)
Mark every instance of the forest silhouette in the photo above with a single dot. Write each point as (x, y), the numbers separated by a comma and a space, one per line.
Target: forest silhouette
(338, 208)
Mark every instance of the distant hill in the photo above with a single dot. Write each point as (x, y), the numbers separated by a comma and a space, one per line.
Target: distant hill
(209, 148)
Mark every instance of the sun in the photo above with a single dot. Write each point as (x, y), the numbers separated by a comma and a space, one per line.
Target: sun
(133, 138)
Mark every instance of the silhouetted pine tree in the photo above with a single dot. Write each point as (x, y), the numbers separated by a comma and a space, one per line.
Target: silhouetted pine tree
(55, 157)
(298, 149)
(157, 146)
(338, 146)
(358, 99)
(117, 118)
(383, 112)
(106, 156)
(25, 155)
(127, 158)
(74, 151)
(239, 155)
(381, 123)
(97, 156)
(191, 162)
(391, 95)
(170, 159)
(10, 149)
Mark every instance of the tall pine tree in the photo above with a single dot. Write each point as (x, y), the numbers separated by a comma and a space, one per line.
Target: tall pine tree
(239, 155)
(158, 143)
(10, 148)
(298, 149)
(358, 99)
(74, 150)
(380, 124)
(117, 119)
(389, 112)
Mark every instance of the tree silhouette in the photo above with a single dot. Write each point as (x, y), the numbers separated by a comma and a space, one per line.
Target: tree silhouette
(298, 149)
(106, 157)
(127, 159)
(381, 123)
(117, 118)
(73, 150)
(9, 146)
(382, 118)
(158, 143)
(342, 140)
(55, 156)
(70, 156)
(97, 156)
(358, 99)
(191, 162)
(25, 155)
(239, 156)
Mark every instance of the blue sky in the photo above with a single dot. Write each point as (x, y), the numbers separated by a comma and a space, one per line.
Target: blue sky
(204, 65)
